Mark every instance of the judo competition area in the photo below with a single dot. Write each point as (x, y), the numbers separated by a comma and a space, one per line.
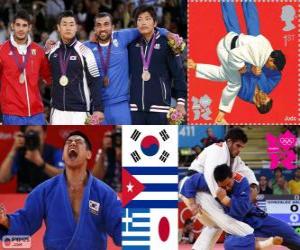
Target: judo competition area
(55, 136)
(255, 154)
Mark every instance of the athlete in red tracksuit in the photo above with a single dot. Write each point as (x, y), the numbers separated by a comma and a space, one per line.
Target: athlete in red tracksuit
(22, 64)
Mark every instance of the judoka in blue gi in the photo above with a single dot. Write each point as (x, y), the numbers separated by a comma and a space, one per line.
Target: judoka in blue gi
(79, 210)
(234, 195)
(249, 64)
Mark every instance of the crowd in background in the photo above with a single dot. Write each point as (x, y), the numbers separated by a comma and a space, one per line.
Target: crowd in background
(32, 160)
(277, 181)
(170, 14)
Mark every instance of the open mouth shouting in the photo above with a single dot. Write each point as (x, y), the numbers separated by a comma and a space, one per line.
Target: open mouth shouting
(72, 153)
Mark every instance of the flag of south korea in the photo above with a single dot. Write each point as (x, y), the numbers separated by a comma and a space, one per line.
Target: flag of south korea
(150, 146)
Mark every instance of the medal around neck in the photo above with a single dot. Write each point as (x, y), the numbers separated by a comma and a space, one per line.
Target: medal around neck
(105, 81)
(63, 80)
(146, 60)
(146, 75)
(22, 78)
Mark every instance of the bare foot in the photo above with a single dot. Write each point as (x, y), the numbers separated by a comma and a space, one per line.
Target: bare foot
(221, 122)
(277, 240)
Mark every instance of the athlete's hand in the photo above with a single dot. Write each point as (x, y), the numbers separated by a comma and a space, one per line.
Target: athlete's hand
(256, 70)
(243, 70)
(191, 64)
(99, 116)
(3, 217)
(181, 109)
(195, 208)
(221, 193)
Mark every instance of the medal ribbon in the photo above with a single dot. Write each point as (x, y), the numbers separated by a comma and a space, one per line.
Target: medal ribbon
(146, 59)
(105, 64)
(64, 63)
(21, 66)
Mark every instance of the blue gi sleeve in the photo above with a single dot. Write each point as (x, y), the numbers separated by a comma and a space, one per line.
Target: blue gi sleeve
(29, 219)
(240, 200)
(267, 82)
(194, 184)
(129, 35)
(175, 66)
(113, 217)
(58, 162)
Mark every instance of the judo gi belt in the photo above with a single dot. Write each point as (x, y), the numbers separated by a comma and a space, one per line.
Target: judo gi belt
(233, 42)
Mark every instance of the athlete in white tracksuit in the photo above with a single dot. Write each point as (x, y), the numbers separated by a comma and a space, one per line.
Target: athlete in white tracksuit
(214, 219)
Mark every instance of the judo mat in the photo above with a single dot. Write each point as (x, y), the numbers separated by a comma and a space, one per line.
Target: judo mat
(206, 28)
(221, 247)
(14, 202)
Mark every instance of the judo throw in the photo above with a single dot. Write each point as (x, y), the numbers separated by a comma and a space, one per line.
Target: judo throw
(281, 150)
(201, 107)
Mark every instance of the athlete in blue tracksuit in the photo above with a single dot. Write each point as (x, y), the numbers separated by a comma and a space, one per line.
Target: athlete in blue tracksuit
(115, 95)
(242, 209)
(150, 99)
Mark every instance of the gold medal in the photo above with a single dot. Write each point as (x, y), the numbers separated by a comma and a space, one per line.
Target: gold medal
(106, 81)
(146, 75)
(63, 80)
(22, 78)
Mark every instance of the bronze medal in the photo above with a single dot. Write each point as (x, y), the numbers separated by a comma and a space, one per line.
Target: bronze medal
(105, 81)
(22, 78)
(146, 75)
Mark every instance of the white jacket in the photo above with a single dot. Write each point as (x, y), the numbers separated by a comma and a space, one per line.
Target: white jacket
(250, 49)
(217, 154)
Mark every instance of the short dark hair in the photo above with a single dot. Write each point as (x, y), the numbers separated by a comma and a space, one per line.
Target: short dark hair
(279, 59)
(67, 13)
(265, 108)
(24, 127)
(278, 169)
(79, 133)
(236, 134)
(104, 14)
(222, 172)
(142, 9)
(22, 14)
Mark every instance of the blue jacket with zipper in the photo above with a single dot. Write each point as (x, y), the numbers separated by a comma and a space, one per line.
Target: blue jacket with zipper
(167, 76)
(83, 92)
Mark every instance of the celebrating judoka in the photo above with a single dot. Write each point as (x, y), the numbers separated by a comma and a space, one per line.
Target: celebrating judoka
(249, 64)
(79, 211)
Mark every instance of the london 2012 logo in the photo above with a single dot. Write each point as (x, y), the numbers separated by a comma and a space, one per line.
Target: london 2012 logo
(281, 150)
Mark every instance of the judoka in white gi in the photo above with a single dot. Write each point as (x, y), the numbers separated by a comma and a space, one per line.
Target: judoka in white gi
(211, 213)
(249, 64)
(79, 210)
